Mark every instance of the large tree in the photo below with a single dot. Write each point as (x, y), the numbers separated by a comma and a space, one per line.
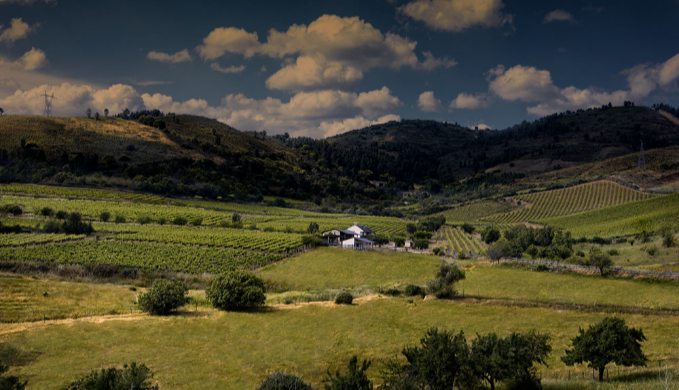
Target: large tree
(609, 341)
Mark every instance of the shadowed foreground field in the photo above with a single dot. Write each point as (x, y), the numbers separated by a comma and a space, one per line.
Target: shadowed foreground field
(214, 350)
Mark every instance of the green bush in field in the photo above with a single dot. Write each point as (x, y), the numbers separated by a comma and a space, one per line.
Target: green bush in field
(421, 243)
(46, 212)
(283, 381)
(120, 219)
(138, 377)
(344, 298)
(144, 220)
(164, 297)
(236, 290)
(180, 221)
(355, 379)
(105, 216)
(443, 285)
(10, 382)
(412, 290)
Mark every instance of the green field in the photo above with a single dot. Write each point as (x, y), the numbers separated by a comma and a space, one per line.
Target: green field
(211, 350)
(332, 268)
(474, 211)
(568, 201)
(627, 219)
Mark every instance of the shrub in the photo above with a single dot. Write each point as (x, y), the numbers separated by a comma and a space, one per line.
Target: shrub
(10, 382)
(438, 252)
(164, 297)
(542, 268)
(197, 221)
(631, 241)
(344, 298)
(236, 290)
(144, 219)
(11, 209)
(355, 379)
(311, 240)
(668, 241)
(421, 243)
(61, 214)
(613, 252)
(468, 228)
(283, 381)
(105, 216)
(179, 221)
(120, 219)
(52, 227)
(580, 253)
(651, 250)
(162, 221)
(446, 277)
(461, 256)
(74, 224)
(46, 212)
(490, 234)
(134, 376)
(411, 290)
(394, 292)
(399, 241)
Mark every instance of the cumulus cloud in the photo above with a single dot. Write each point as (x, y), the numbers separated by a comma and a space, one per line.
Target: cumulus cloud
(9, 84)
(231, 69)
(331, 51)
(427, 102)
(73, 99)
(465, 101)
(18, 29)
(31, 60)
(528, 84)
(316, 114)
(457, 15)
(558, 15)
(180, 56)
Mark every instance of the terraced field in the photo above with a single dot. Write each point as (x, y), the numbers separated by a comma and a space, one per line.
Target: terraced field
(474, 211)
(568, 201)
(452, 239)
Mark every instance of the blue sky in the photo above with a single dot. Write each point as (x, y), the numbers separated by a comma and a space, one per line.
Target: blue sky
(321, 67)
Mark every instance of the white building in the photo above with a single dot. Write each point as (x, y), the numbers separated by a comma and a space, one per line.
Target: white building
(353, 237)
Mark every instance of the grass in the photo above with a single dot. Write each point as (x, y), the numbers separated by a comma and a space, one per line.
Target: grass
(35, 298)
(636, 256)
(330, 268)
(235, 350)
(549, 287)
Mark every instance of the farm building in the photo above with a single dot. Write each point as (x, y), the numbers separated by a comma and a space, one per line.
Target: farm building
(353, 237)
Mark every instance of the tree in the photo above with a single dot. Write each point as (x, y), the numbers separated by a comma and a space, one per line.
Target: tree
(399, 241)
(89, 112)
(283, 381)
(355, 379)
(236, 290)
(126, 113)
(468, 228)
(74, 224)
(601, 260)
(134, 376)
(106, 112)
(443, 285)
(97, 116)
(498, 250)
(380, 240)
(490, 234)
(10, 382)
(421, 243)
(164, 297)
(609, 341)
(313, 228)
(2, 112)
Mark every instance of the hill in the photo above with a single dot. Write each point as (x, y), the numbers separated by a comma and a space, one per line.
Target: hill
(189, 155)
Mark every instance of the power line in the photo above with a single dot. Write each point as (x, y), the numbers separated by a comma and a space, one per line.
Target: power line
(48, 104)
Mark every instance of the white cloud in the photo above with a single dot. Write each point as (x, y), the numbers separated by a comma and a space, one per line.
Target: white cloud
(457, 15)
(328, 129)
(231, 69)
(427, 102)
(9, 84)
(31, 60)
(17, 30)
(465, 101)
(332, 52)
(73, 99)
(180, 56)
(528, 84)
(558, 15)
(309, 72)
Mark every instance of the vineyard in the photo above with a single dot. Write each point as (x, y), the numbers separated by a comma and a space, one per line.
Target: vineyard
(568, 201)
(148, 256)
(204, 236)
(475, 211)
(36, 239)
(88, 193)
(452, 239)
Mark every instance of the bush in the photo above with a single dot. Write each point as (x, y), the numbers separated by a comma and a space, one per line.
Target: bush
(180, 221)
(120, 219)
(46, 212)
(421, 243)
(164, 297)
(344, 298)
(438, 252)
(144, 219)
(651, 250)
(461, 256)
(631, 241)
(468, 228)
(236, 290)
(613, 252)
(355, 379)
(668, 241)
(311, 240)
(394, 292)
(9, 382)
(74, 224)
(197, 221)
(283, 381)
(542, 268)
(134, 376)
(52, 227)
(490, 234)
(412, 290)
(61, 214)
(105, 216)
(399, 241)
(446, 277)
(11, 209)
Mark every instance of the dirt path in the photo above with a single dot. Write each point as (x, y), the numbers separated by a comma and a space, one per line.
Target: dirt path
(669, 116)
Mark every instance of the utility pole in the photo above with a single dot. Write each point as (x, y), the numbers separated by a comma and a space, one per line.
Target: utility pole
(48, 104)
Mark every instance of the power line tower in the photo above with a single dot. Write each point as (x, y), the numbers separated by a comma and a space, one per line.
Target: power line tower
(48, 104)
(642, 159)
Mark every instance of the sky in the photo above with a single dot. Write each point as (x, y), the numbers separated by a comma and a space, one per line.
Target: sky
(319, 67)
